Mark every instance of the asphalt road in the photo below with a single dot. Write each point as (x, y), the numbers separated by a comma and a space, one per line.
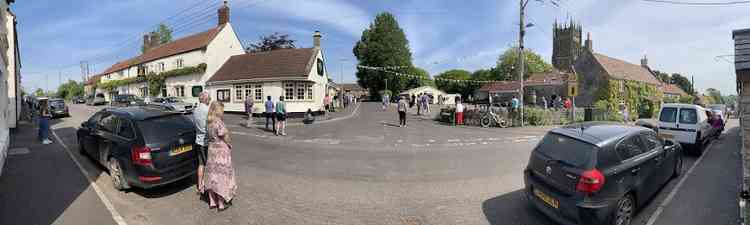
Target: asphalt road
(366, 170)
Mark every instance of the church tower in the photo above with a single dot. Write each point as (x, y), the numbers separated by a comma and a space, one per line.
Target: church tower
(566, 45)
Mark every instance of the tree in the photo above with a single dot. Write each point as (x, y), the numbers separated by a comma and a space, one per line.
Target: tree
(715, 96)
(165, 35)
(683, 83)
(489, 74)
(663, 77)
(272, 42)
(464, 88)
(383, 44)
(39, 92)
(70, 89)
(423, 80)
(508, 61)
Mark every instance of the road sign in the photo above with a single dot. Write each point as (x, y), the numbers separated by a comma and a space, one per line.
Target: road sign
(572, 89)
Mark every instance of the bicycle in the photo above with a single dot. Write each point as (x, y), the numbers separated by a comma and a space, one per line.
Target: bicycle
(490, 118)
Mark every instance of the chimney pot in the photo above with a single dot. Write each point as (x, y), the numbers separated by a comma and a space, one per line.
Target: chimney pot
(224, 14)
(316, 39)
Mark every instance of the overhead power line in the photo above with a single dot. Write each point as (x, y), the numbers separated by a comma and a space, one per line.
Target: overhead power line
(699, 3)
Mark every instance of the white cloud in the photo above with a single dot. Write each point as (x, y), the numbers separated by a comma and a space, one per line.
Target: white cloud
(343, 16)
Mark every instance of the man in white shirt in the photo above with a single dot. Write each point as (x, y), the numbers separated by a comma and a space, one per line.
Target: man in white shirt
(200, 118)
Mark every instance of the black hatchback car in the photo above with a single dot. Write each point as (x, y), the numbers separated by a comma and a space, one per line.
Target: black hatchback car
(599, 173)
(141, 146)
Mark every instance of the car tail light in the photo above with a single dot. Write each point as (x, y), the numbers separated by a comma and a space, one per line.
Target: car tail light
(149, 178)
(141, 155)
(590, 182)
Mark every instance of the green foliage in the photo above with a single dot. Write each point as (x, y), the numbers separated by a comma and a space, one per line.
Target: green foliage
(489, 74)
(463, 88)
(537, 116)
(715, 96)
(507, 63)
(423, 80)
(70, 89)
(272, 42)
(686, 99)
(639, 98)
(39, 92)
(683, 82)
(663, 77)
(155, 81)
(383, 44)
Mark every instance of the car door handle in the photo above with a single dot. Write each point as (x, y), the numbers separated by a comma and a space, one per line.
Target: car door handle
(635, 171)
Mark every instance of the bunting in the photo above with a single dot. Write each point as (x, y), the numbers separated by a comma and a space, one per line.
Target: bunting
(388, 69)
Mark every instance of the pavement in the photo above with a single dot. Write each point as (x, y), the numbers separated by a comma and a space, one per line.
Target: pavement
(363, 169)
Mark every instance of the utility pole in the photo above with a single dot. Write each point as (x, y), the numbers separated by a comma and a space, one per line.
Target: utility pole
(521, 64)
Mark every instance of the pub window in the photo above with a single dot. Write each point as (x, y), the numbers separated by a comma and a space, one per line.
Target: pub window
(258, 92)
(300, 91)
(144, 91)
(178, 63)
(289, 90)
(238, 93)
(223, 95)
(141, 70)
(180, 91)
(248, 91)
(309, 88)
(162, 68)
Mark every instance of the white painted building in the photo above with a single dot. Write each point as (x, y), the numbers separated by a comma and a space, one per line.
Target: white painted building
(8, 79)
(207, 50)
(297, 74)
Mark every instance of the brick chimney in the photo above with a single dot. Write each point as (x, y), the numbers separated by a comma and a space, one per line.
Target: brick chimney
(316, 39)
(589, 43)
(224, 14)
(644, 61)
(154, 39)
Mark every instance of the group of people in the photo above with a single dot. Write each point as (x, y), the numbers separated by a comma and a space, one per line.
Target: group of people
(215, 170)
(555, 102)
(422, 101)
(275, 113)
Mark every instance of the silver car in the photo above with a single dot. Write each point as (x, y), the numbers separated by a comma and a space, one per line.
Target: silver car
(173, 103)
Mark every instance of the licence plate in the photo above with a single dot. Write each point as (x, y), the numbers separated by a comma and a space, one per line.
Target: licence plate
(546, 198)
(180, 150)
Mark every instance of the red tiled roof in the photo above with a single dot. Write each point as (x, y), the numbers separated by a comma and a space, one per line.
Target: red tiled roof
(352, 86)
(501, 86)
(620, 69)
(554, 77)
(284, 63)
(672, 89)
(182, 45)
(93, 79)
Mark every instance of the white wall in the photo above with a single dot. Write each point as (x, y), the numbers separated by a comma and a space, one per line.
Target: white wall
(225, 45)
(4, 100)
(14, 92)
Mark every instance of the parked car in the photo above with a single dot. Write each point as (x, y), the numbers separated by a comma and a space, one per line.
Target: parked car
(173, 103)
(141, 146)
(57, 108)
(599, 173)
(79, 100)
(722, 108)
(127, 100)
(687, 123)
(97, 99)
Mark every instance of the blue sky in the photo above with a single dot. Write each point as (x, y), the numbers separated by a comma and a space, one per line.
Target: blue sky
(444, 34)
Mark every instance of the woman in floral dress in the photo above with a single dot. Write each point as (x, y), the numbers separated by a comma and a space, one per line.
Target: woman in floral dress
(219, 180)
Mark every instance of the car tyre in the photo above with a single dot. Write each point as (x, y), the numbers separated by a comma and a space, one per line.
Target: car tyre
(623, 214)
(116, 175)
(80, 147)
(678, 165)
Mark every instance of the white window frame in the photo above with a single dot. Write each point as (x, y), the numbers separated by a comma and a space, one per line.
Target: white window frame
(224, 95)
(289, 88)
(179, 63)
(238, 92)
(179, 91)
(309, 90)
(258, 92)
(300, 89)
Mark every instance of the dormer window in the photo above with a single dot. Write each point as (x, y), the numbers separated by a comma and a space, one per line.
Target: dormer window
(320, 66)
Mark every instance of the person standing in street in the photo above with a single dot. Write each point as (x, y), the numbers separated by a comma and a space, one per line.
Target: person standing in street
(281, 117)
(270, 114)
(200, 118)
(249, 110)
(459, 112)
(544, 103)
(385, 102)
(426, 103)
(402, 106)
(44, 116)
(419, 105)
(219, 177)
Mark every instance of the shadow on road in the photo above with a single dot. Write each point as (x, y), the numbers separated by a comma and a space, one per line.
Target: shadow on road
(511, 209)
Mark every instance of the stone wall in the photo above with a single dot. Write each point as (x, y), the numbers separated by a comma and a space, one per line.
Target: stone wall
(592, 78)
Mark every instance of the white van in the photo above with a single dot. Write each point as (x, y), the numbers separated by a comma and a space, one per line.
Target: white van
(687, 123)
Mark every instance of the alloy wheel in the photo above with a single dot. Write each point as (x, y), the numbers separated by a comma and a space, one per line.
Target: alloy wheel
(624, 213)
(115, 173)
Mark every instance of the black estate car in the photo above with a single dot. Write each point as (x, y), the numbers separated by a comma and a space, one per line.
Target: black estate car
(57, 108)
(599, 173)
(141, 146)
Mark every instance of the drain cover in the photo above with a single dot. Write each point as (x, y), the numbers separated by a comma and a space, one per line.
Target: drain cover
(18, 151)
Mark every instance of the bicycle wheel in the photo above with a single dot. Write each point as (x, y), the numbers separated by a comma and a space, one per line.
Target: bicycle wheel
(486, 121)
(502, 123)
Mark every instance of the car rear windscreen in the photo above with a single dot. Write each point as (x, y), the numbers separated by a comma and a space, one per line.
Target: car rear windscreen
(567, 150)
(668, 115)
(166, 127)
(688, 116)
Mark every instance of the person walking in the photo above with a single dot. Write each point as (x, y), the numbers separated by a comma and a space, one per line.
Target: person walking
(459, 112)
(412, 101)
(327, 102)
(402, 112)
(281, 117)
(44, 116)
(419, 105)
(219, 181)
(426, 103)
(270, 114)
(385, 102)
(200, 118)
(249, 109)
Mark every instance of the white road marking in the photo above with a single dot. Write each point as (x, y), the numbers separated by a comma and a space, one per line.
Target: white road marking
(677, 187)
(107, 203)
